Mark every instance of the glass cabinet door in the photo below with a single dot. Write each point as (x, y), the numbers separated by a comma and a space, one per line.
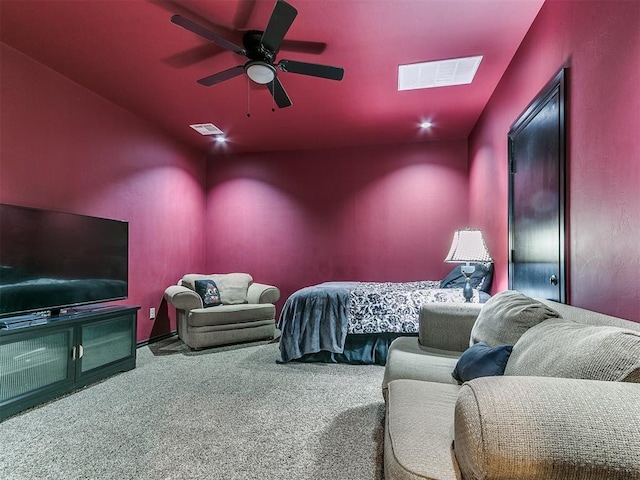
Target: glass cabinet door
(30, 363)
(105, 342)
(39, 363)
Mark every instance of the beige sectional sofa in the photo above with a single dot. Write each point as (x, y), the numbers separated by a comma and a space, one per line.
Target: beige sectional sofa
(566, 407)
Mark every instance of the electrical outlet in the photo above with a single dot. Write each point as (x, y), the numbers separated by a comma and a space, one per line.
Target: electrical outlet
(152, 313)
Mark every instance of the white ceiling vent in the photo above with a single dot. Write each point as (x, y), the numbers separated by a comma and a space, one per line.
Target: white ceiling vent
(442, 73)
(206, 129)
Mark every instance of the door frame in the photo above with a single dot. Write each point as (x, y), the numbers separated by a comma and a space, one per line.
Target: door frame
(554, 89)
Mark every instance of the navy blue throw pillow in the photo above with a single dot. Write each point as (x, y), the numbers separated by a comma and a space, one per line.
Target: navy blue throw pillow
(208, 291)
(481, 361)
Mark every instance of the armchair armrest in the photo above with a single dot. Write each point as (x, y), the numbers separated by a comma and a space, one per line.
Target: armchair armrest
(262, 293)
(547, 428)
(447, 326)
(182, 298)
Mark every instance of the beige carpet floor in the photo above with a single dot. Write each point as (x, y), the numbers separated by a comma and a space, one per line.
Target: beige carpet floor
(225, 413)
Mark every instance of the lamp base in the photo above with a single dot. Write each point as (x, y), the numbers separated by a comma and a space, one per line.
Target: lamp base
(467, 270)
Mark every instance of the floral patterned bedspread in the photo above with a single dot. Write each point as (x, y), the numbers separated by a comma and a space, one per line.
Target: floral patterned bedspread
(394, 307)
(319, 317)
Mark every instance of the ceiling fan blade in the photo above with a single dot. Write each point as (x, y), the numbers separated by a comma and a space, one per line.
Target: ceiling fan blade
(193, 55)
(279, 94)
(199, 30)
(311, 69)
(221, 76)
(281, 19)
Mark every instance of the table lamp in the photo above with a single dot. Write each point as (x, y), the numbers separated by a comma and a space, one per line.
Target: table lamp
(468, 246)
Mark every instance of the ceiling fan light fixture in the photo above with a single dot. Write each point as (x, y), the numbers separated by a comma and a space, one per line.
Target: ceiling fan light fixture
(260, 72)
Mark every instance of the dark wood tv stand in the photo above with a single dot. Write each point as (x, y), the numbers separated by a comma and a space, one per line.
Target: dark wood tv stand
(51, 356)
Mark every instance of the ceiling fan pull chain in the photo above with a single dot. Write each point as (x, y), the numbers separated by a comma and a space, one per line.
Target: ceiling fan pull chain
(273, 97)
(248, 98)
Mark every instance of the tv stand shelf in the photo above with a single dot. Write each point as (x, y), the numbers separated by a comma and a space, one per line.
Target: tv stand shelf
(56, 355)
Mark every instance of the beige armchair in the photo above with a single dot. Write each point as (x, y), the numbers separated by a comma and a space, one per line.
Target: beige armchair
(221, 309)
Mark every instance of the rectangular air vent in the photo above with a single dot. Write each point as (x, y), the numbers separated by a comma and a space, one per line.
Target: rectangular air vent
(441, 73)
(206, 129)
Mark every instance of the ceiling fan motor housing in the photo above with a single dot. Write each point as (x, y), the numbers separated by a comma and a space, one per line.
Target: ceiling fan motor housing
(254, 47)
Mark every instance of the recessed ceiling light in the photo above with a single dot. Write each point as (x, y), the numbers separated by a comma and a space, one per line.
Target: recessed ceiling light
(206, 129)
(441, 73)
(426, 124)
(221, 139)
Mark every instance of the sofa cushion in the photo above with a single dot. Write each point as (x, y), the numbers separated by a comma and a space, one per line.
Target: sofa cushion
(406, 359)
(208, 291)
(506, 316)
(419, 430)
(481, 360)
(561, 348)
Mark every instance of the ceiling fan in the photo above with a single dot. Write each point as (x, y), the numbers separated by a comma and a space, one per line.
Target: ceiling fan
(261, 48)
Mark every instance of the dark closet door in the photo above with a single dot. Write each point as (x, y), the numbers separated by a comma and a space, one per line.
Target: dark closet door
(537, 196)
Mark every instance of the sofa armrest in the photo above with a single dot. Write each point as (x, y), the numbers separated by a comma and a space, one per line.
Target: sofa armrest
(447, 326)
(182, 298)
(262, 293)
(547, 428)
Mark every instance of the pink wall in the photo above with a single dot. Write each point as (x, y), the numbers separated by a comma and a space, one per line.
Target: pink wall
(368, 213)
(600, 43)
(65, 148)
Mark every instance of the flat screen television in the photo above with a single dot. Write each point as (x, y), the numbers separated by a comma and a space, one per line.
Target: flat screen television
(50, 261)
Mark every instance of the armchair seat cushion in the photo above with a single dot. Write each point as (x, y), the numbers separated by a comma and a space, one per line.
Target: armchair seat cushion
(231, 314)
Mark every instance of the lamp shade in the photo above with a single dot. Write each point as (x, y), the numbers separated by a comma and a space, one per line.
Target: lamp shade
(468, 246)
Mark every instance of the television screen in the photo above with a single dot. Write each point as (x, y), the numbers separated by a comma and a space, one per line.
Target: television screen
(53, 260)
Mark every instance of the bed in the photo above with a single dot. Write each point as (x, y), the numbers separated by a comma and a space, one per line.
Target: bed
(354, 322)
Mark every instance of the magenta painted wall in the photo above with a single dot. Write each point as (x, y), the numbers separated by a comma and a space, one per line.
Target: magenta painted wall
(64, 148)
(600, 43)
(368, 213)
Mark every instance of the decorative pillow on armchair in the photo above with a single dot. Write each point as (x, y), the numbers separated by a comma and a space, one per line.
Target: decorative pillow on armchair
(506, 316)
(208, 291)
